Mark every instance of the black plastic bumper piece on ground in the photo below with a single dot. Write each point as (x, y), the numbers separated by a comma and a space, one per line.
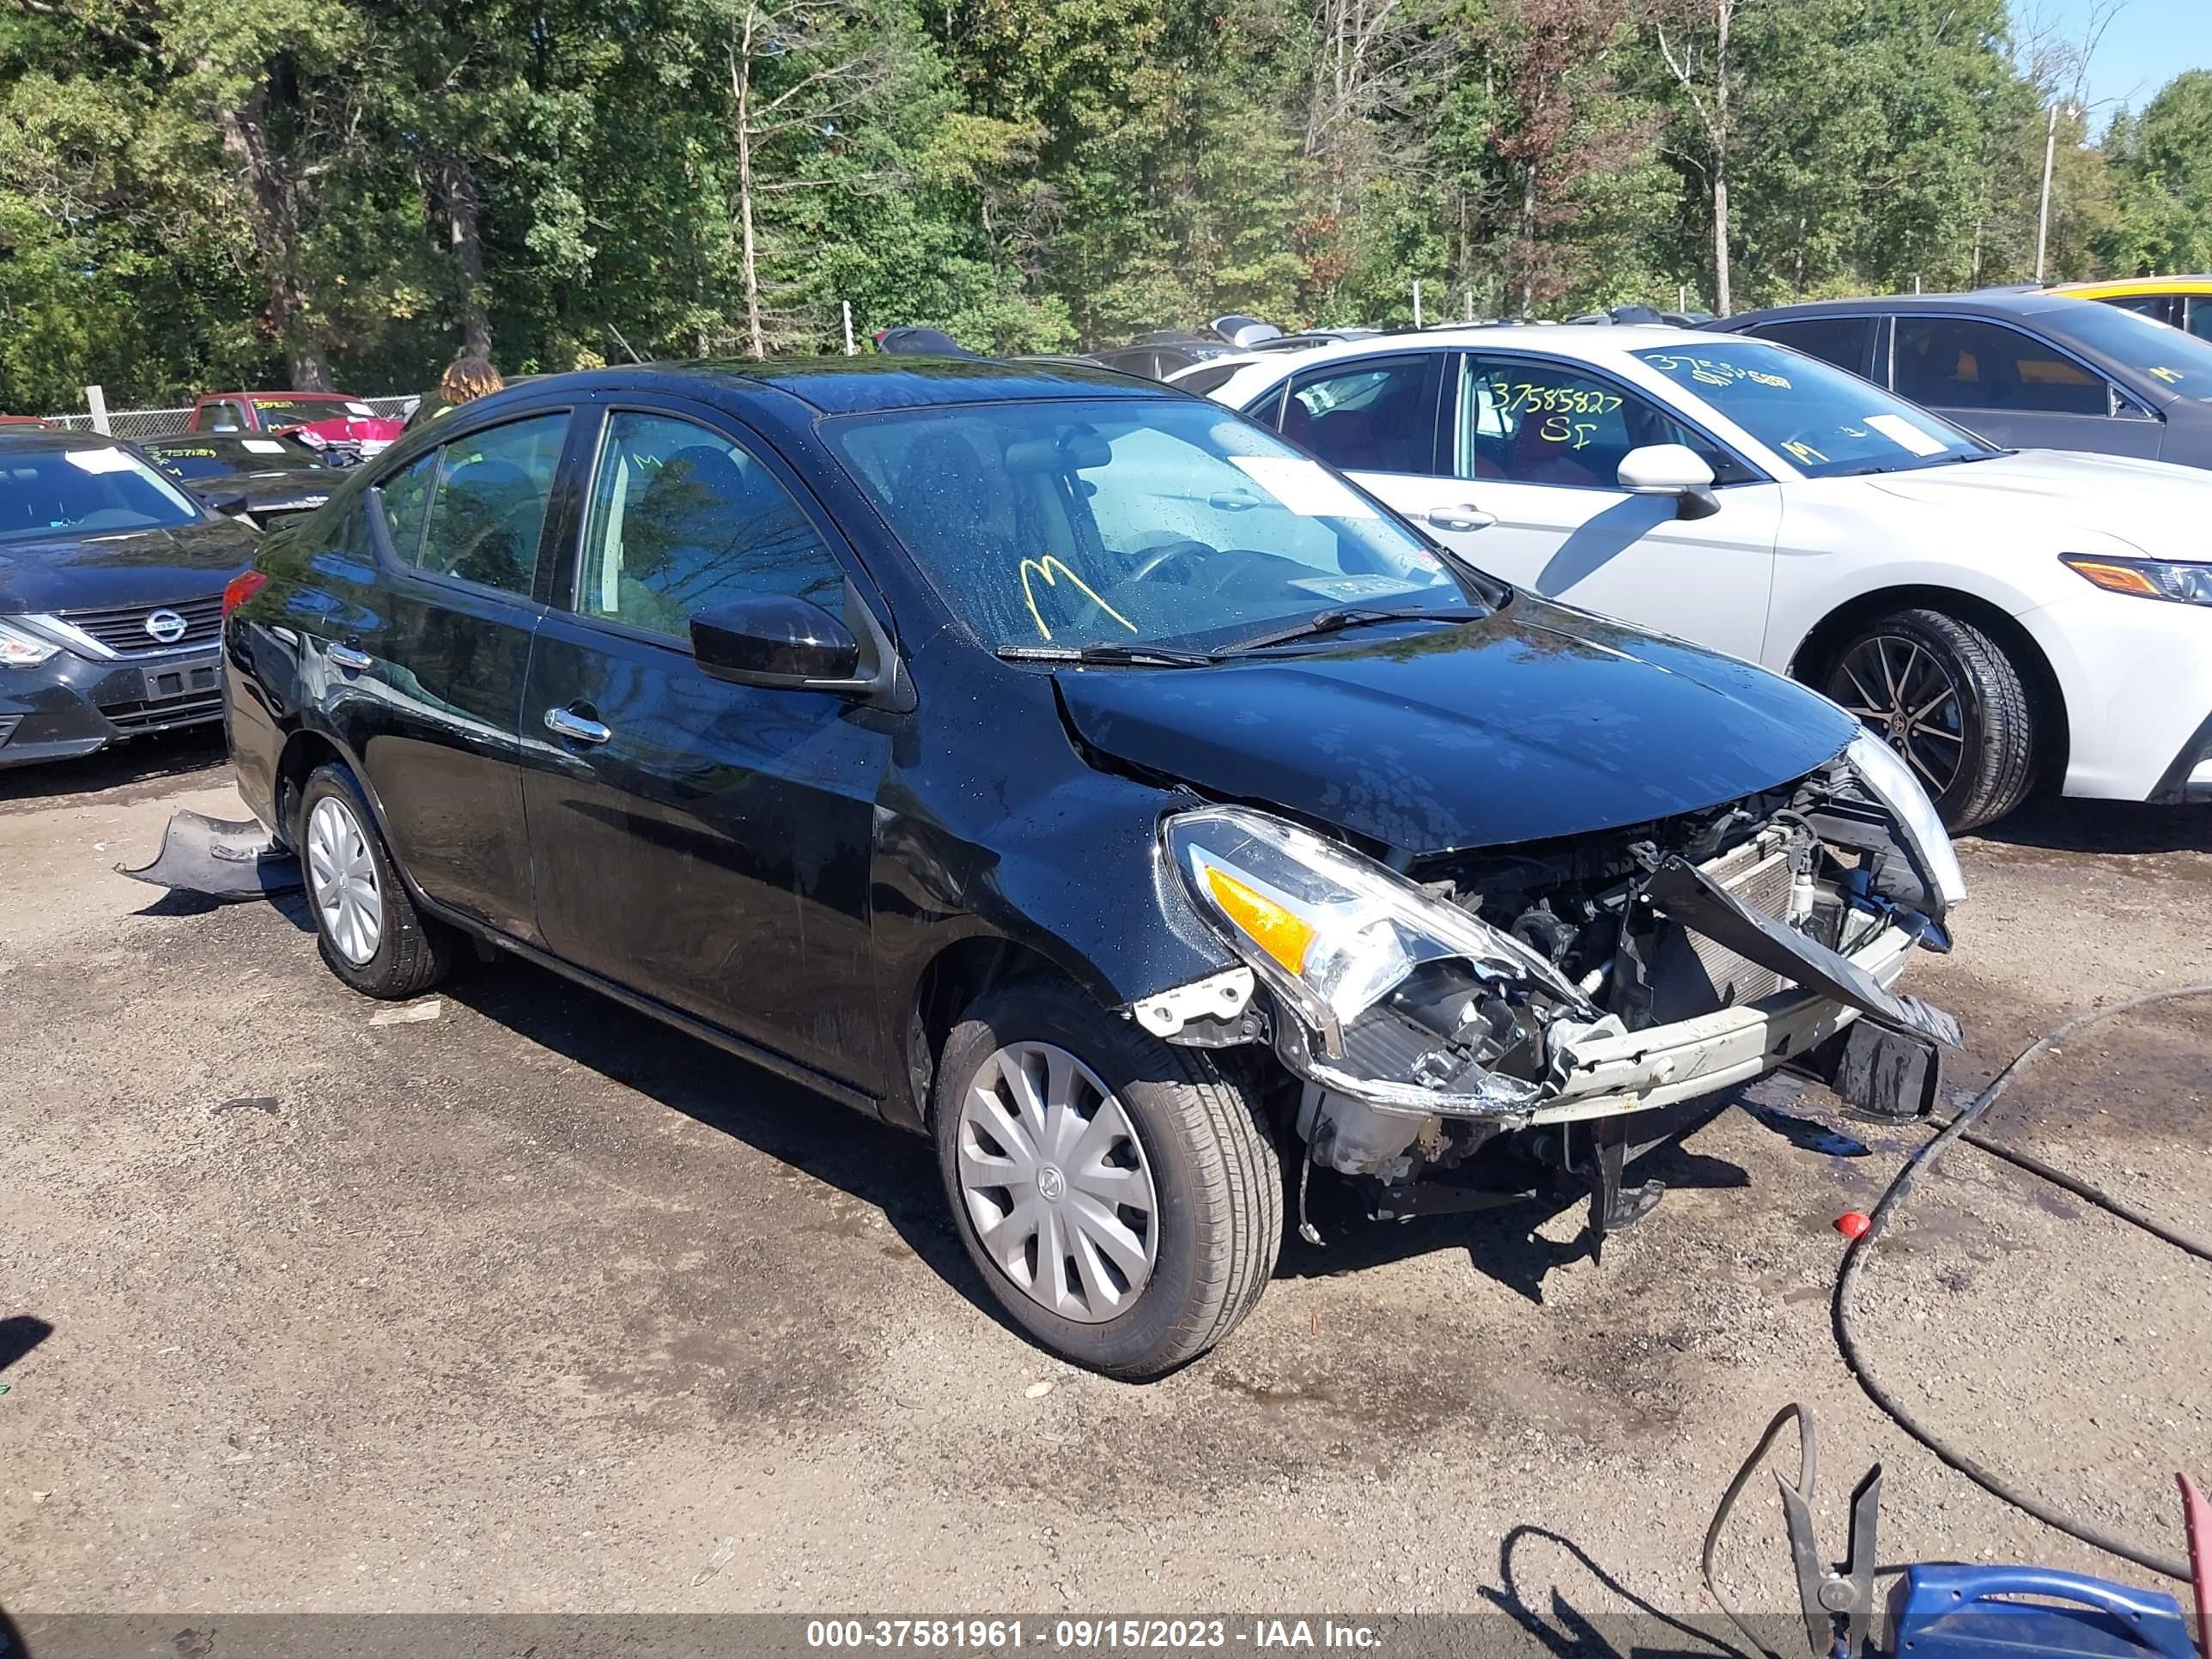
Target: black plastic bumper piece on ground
(1881, 1076)
(222, 858)
(1695, 899)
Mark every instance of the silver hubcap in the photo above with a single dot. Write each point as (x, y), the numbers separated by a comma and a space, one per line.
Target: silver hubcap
(1908, 696)
(1057, 1184)
(342, 877)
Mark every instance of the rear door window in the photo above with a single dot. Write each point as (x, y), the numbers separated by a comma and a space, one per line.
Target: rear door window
(486, 513)
(1846, 342)
(683, 519)
(1379, 415)
(1960, 362)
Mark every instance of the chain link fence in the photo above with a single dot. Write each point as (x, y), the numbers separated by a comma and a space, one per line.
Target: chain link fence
(137, 423)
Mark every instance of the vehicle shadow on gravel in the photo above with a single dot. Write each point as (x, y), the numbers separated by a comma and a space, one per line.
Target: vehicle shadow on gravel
(894, 1171)
(2054, 824)
(889, 1168)
(1502, 1243)
(151, 762)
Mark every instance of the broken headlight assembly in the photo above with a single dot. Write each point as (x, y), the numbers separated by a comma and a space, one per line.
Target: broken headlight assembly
(1885, 772)
(1334, 935)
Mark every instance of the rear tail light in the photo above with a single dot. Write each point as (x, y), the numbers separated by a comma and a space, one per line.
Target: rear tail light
(241, 588)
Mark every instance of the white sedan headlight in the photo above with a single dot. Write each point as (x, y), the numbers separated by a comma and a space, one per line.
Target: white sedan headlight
(1885, 772)
(1333, 933)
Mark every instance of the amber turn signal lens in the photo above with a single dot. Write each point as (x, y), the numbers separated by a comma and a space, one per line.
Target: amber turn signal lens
(1281, 933)
(2116, 578)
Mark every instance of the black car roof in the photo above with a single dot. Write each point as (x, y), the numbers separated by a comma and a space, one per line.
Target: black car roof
(1982, 302)
(853, 386)
(46, 437)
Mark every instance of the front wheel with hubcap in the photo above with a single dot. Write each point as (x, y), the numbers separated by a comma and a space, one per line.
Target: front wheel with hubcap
(1948, 698)
(366, 926)
(1120, 1195)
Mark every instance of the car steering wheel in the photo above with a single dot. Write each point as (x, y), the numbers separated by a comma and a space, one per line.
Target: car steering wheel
(1168, 553)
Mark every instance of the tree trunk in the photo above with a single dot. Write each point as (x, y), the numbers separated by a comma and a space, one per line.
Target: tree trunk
(741, 86)
(310, 364)
(1723, 296)
(273, 216)
(1528, 242)
(465, 226)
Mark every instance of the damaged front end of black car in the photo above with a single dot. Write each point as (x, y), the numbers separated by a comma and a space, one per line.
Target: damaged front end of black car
(1545, 996)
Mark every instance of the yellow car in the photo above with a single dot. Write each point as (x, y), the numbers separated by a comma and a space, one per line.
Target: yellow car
(2183, 302)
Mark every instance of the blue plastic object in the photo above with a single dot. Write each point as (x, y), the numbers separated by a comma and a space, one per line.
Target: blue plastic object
(1955, 1612)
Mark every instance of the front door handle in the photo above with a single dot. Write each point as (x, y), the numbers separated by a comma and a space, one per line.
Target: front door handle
(567, 723)
(1466, 516)
(351, 659)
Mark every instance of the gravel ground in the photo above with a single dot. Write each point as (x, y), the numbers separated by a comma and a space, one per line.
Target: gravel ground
(532, 1306)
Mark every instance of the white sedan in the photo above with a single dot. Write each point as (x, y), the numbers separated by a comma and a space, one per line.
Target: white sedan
(1999, 615)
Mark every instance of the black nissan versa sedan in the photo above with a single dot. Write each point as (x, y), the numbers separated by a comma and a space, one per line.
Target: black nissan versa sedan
(1073, 771)
(111, 596)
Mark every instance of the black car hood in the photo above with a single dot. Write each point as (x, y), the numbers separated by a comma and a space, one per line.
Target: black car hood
(1536, 722)
(142, 567)
(294, 489)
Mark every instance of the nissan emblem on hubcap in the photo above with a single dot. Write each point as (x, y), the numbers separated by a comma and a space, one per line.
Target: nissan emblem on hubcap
(167, 626)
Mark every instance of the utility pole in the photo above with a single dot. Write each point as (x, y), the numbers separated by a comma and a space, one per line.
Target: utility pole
(1417, 302)
(847, 304)
(2043, 214)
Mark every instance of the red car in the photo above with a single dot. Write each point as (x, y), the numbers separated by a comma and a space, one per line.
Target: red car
(346, 429)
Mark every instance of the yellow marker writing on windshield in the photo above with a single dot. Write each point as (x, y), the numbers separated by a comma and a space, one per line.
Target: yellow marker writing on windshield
(2171, 376)
(1045, 568)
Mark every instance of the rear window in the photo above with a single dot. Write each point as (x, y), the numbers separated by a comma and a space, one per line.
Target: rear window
(298, 411)
(85, 491)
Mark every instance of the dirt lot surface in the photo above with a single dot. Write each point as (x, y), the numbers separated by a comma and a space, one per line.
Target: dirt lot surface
(534, 1306)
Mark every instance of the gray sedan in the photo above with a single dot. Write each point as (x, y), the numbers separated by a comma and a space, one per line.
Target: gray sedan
(2030, 370)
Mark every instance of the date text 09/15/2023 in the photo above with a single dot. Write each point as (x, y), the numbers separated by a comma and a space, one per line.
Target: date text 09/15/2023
(995, 1636)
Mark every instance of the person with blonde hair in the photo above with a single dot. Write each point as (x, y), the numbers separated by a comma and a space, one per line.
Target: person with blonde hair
(466, 379)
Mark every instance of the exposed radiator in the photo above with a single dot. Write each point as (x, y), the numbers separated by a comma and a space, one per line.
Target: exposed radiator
(1690, 973)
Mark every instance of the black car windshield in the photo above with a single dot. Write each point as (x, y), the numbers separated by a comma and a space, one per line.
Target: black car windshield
(2180, 363)
(1829, 423)
(216, 457)
(1064, 524)
(84, 490)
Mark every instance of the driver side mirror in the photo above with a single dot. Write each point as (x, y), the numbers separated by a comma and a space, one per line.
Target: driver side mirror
(777, 640)
(1673, 469)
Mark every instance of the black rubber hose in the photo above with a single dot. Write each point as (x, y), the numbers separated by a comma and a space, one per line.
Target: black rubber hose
(1960, 1128)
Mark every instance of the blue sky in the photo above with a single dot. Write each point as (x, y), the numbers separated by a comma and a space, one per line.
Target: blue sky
(2148, 44)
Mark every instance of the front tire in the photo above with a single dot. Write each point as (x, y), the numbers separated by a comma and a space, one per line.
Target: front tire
(366, 926)
(1119, 1195)
(1945, 695)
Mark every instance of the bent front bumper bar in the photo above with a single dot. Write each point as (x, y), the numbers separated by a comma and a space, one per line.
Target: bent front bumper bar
(1603, 1072)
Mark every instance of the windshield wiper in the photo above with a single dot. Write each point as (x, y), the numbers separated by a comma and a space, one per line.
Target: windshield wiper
(1116, 656)
(1352, 615)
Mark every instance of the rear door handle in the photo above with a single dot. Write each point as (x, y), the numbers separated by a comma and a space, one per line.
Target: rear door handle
(1466, 516)
(353, 661)
(567, 723)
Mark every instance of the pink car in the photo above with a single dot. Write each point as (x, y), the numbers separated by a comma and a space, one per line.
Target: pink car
(346, 429)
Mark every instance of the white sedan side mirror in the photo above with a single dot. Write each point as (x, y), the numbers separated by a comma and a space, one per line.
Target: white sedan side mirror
(1673, 469)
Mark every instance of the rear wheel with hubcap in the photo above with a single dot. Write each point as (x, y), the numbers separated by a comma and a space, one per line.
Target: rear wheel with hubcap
(1120, 1196)
(1945, 696)
(366, 926)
